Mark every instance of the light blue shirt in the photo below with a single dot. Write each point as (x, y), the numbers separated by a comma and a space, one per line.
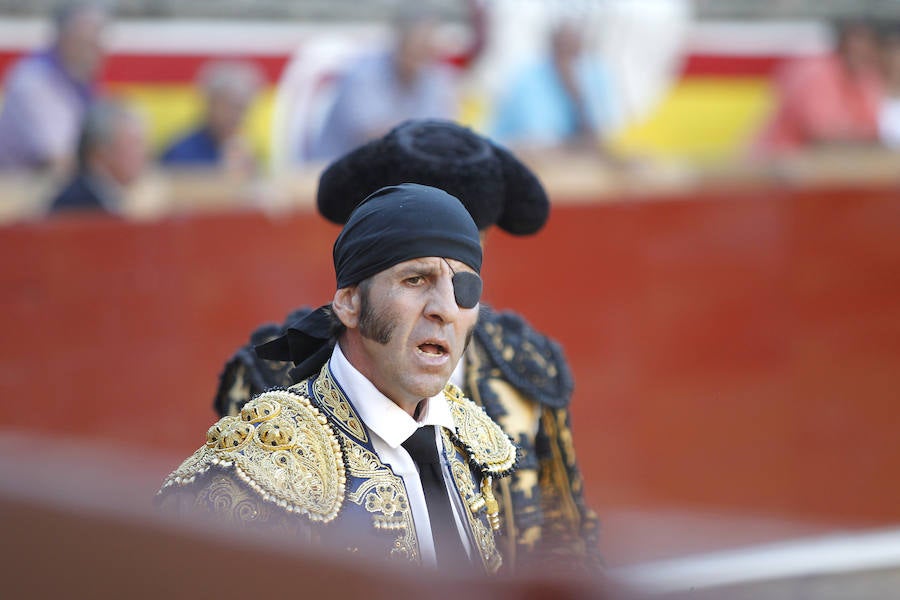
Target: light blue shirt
(536, 109)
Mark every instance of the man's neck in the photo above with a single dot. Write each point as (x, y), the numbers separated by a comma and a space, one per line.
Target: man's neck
(351, 347)
(379, 413)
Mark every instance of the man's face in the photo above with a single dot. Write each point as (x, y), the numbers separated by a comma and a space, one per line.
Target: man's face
(225, 112)
(82, 43)
(124, 156)
(411, 331)
(567, 43)
(859, 48)
(416, 50)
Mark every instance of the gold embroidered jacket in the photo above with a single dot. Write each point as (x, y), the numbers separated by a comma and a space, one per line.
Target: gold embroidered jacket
(521, 378)
(301, 459)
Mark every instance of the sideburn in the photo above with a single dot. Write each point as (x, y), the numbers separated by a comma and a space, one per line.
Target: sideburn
(376, 326)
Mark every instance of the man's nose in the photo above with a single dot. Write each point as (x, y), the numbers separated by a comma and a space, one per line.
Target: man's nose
(441, 304)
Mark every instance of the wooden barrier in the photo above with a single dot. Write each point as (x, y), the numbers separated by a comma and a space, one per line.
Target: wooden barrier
(736, 349)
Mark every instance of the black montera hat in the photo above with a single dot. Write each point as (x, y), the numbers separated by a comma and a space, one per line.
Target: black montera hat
(491, 183)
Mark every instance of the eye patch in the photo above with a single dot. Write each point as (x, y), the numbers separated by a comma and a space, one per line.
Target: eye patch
(467, 287)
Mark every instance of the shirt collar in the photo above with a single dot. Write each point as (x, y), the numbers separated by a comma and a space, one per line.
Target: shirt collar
(381, 416)
(458, 377)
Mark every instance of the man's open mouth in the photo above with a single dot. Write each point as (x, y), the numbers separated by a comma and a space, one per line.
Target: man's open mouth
(432, 348)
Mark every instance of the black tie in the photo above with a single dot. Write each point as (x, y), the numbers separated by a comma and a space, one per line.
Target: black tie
(447, 544)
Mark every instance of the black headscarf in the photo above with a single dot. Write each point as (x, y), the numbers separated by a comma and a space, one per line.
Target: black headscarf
(400, 223)
(393, 225)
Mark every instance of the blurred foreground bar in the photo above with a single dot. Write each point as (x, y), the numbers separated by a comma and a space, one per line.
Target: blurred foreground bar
(77, 528)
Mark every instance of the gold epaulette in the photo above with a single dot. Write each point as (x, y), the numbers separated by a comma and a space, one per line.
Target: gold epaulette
(283, 448)
(488, 446)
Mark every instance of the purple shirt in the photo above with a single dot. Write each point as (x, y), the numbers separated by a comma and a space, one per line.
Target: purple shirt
(42, 112)
(370, 98)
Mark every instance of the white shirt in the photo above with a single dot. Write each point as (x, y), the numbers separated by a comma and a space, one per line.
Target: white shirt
(889, 122)
(390, 426)
(458, 377)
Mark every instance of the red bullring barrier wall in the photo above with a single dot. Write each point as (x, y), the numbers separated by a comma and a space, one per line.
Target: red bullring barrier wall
(733, 350)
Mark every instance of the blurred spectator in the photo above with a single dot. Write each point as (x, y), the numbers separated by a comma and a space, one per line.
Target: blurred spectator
(111, 157)
(229, 88)
(889, 115)
(564, 99)
(378, 91)
(46, 94)
(827, 100)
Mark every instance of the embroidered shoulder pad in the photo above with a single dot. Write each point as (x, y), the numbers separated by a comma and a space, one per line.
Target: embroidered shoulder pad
(488, 446)
(283, 448)
(532, 362)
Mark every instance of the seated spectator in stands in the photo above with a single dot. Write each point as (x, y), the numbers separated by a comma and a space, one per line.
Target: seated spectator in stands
(827, 100)
(378, 91)
(889, 113)
(46, 94)
(565, 99)
(111, 157)
(229, 88)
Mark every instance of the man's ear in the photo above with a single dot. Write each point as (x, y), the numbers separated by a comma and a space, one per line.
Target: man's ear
(346, 306)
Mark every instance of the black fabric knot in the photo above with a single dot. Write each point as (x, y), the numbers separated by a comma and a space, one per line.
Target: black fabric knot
(422, 446)
(307, 343)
